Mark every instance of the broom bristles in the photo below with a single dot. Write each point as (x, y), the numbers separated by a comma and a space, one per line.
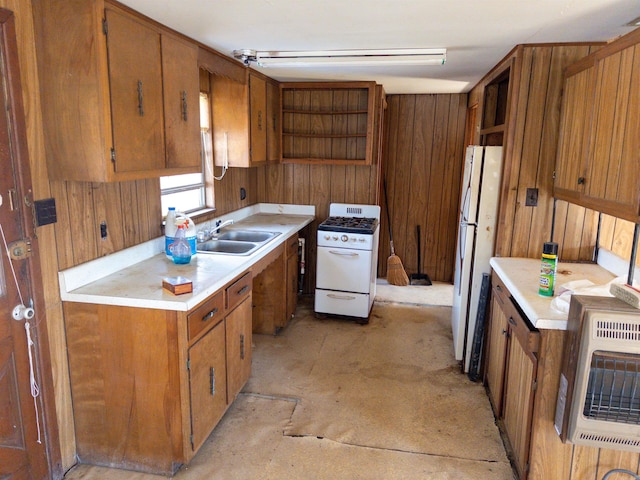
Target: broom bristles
(395, 272)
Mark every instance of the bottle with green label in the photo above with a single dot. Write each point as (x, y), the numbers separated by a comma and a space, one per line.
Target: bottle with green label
(548, 269)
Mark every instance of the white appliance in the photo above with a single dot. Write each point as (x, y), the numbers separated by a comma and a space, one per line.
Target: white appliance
(347, 260)
(476, 235)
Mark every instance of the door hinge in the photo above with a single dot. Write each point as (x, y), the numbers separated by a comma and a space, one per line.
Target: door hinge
(113, 156)
(534, 385)
(188, 364)
(105, 26)
(191, 440)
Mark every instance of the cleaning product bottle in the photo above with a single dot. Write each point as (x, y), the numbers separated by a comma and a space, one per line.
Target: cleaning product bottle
(189, 232)
(181, 250)
(169, 230)
(548, 269)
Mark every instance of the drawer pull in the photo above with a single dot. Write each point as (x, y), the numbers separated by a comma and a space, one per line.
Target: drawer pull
(241, 347)
(504, 332)
(212, 381)
(341, 297)
(513, 322)
(243, 290)
(499, 288)
(343, 254)
(210, 314)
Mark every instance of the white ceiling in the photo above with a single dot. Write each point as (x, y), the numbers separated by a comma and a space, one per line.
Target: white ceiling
(476, 33)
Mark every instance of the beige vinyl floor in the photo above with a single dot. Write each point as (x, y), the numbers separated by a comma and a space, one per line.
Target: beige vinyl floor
(331, 399)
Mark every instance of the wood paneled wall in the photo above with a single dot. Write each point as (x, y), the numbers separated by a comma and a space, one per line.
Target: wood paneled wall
(530, 155)
(423, 159)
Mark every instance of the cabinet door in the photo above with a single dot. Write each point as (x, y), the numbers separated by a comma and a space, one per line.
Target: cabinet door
(238, 324)
(181, 103)
(292, 278)
(575, 129)
(497, 350)
(273, 123)
(613, 174)
(519, 394)
(208, 384)
(135, 76)
(258, 109)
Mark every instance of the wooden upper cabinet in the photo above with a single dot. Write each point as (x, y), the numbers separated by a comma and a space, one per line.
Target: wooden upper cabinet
(273, 123)
(599, 151)
(135, 77)
(328, 122)
(104, 111)
(181, 102)
(240, 120)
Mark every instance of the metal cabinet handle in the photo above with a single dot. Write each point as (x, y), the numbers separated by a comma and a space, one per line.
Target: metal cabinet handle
(581, 180)
(241, 347)
(499, 288)
(243, 290)
(184, 105)
(341, 297)
(343, 254)
(513, 322)
(259, 119)
(210, 314)
(212, 381)
(140, 99)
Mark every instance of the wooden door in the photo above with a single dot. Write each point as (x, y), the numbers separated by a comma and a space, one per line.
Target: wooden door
(207, 383)
(181, 86)
(496, 352)
(575, 129)
(258, 109)
(518, 399)
(238, 326)
(613, 174)
(135, 76)
(273, 123)
(24, 433)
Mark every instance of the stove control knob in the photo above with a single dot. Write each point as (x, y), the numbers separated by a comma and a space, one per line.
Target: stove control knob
(354, 239)
(327, 237)
(335, 237)
(362, 240)
(344, 238)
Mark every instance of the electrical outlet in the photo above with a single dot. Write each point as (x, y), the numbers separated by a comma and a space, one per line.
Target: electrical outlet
(532, 197)
(45, 211)
(103, 230)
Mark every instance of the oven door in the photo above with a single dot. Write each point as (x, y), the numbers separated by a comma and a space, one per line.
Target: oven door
(343, 269)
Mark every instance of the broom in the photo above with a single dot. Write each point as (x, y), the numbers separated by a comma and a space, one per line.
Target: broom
(395, 271)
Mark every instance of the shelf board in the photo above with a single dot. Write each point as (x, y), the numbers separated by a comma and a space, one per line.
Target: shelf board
(324, 112)
(326, 161)
(325, 135)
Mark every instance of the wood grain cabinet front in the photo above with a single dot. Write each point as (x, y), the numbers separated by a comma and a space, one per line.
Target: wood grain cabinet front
(122, 103)
(148, 385)
(598, 154)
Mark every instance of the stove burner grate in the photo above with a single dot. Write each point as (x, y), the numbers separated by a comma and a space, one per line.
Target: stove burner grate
(364, 225)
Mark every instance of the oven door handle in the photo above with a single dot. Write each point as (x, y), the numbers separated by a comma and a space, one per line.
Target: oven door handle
(344, 254)
(341, 297)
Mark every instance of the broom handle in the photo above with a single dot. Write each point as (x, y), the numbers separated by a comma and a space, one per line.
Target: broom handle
(386, 204)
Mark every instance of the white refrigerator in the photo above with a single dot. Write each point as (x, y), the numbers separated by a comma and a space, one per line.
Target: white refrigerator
(476, 236)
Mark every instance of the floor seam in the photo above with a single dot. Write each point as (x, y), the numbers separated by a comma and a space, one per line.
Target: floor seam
(396, 450)
(272, 397)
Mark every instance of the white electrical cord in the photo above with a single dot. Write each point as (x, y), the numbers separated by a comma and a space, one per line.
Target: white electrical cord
(207, 153)
(35, 389)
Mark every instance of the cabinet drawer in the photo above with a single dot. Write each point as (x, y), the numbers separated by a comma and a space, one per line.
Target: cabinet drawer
(206, 315)
(238, 290)
(500, 292)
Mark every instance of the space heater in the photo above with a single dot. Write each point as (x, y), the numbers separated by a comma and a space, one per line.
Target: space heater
(598, 401)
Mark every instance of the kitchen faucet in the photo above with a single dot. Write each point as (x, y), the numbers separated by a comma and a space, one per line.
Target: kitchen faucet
(212, 233)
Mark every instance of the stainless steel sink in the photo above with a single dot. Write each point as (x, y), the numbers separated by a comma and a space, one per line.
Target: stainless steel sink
(236, 242)
(247, 236)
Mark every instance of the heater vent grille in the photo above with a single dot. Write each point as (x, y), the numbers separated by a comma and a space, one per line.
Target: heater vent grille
(354, 210)
(613, 389)
(612, 441)
(618, 330)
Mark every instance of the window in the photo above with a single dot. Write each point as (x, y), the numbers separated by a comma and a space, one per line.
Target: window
(187, 192)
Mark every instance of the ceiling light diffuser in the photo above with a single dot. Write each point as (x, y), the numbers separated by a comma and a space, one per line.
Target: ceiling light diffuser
(367, 58)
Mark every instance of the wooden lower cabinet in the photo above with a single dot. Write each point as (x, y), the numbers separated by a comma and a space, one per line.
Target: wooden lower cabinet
(149, 385)
(275, 289)
(529, 361)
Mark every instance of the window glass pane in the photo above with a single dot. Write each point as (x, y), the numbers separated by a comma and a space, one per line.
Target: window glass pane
(180, 180)
(183, 201)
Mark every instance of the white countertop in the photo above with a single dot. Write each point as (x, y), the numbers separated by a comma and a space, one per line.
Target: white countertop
(133, 277)
(520, 276)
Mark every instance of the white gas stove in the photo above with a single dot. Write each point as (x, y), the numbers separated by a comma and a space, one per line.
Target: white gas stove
(347, 261)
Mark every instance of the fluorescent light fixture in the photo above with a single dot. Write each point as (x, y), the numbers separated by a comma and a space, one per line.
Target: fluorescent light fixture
(364, 58)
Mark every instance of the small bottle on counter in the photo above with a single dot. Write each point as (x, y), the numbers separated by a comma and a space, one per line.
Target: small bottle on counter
(548, 269)
(169, 231)
(181, 250)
